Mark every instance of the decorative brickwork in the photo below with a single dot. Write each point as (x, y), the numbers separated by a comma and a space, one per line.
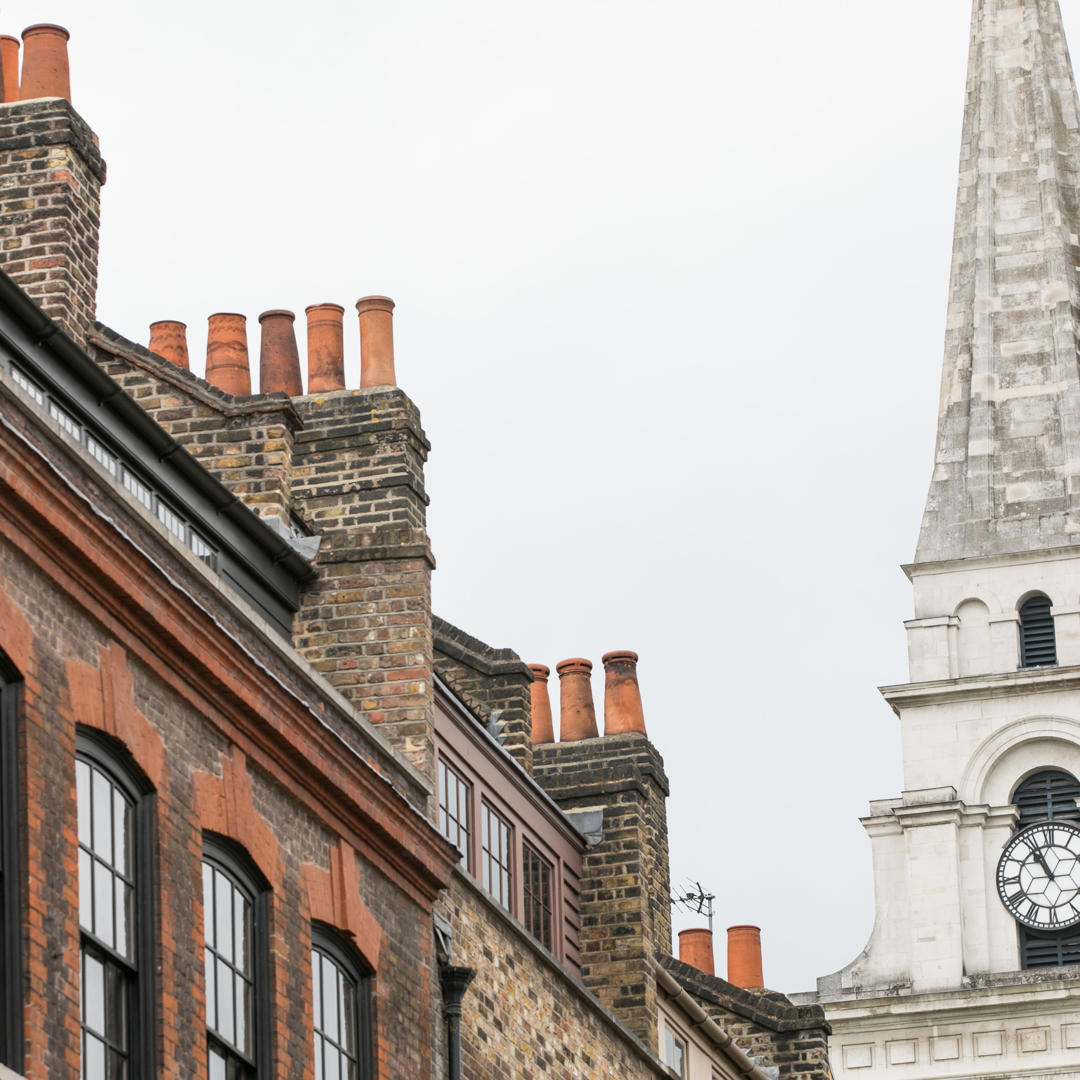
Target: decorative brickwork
(488, 680)
(51, 174)
(625, 890)
(768, 1027)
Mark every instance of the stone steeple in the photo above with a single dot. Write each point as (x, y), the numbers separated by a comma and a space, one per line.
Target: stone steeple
(1007, 463)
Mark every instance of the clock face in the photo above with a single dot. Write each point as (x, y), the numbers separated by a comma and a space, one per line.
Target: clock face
(1038, 876)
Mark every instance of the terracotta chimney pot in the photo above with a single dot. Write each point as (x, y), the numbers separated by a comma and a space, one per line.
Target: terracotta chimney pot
(542, 729)
(325, 348)
(376, 341)
(169, 340)
(744, 957)
(227, 354)
(9, 59)
(695, 949)
(279, 361)
(577, 716)
(622, 697)
(45, 63)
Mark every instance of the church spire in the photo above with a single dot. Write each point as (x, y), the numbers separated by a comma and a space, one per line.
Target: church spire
(1007, 463)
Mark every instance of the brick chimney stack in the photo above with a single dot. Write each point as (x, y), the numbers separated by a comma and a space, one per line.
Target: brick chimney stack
(625, 882)
(53, 171)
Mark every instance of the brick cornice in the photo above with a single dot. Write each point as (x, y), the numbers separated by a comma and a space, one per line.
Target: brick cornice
(140, 594)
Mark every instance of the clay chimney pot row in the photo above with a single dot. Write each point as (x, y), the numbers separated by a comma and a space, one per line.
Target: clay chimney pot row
(325, 348)
(168, 339)
(227, 354)
(45, 70)
(543, 730)
(744, 957)
(376, 341)
(622, 696)
(695, 949)
(279, 360)
(577, 715)
(9, 61)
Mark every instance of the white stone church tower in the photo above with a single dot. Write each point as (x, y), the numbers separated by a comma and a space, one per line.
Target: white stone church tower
(973, 967)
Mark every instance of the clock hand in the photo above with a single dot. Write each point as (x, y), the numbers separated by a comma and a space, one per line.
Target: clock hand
(1042, 860)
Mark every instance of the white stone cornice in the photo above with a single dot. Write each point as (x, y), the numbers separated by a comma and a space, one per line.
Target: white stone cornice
(940, 691)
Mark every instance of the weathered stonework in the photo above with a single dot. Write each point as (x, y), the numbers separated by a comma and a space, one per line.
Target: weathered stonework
(1007, 466)
(51, 173)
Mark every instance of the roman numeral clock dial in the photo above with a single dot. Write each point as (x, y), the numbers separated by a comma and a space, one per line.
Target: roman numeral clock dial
(1038, 876)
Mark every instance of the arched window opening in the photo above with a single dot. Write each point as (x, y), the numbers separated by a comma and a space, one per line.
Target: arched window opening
(237, 962)
(11, 961)
(341, 1006)
(1048, 795)
(1038, 647)
(115, 834)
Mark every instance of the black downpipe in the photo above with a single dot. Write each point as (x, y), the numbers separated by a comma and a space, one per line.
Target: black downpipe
(454, 982)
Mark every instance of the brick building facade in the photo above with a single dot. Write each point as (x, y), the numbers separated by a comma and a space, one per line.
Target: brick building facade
(262, 813)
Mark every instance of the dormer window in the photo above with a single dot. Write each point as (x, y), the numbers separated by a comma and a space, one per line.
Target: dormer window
(1037, 645)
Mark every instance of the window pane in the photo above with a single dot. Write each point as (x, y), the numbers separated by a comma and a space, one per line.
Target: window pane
(102, 816)
(123, 917)
(103, 903)
(211, 990)
(223, 916)
(217, 1066)
(86, 894)
(121, 846)
(93, 1058)
(241, 923)
(226, 996)
(93, 994)
(208, 904)
(330, 998)
(82, 788)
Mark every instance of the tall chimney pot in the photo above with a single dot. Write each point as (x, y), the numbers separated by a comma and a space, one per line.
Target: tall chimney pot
(9, 59)
(622, 697)
(695, 949)
(577, 716)
(744, 957)
(168, 339)
(45, 70)
(227, 354)
(279, 361)
(542, 729)
(325, 348)
(376, 341)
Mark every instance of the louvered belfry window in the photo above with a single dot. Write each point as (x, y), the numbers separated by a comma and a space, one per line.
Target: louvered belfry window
(1046, 796)
(1037, 645)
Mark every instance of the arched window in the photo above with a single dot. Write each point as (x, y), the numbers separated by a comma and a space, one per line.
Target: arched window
(1046, 796)
(11, 967)
(341, 1006)
(1037, 645)
(236, 910)
(115, 832)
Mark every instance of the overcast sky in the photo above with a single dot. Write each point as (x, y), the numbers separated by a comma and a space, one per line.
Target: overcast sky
(671, 283)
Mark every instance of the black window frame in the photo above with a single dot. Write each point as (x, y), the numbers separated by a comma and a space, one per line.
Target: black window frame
(112, 758)
(1038, 636)
(327, 940)
(490, 858)
(538, 903)
(12, 964)
(452, 826)
(1047, 795)
(235, 863)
